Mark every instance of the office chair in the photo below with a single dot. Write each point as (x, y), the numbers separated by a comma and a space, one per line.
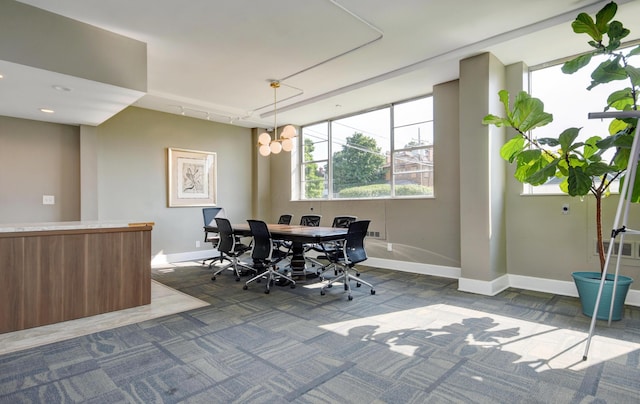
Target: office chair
(280, 244)
(265, 255)
(342, 222)
(351, 253)
(310, 220)
(209, 216)
(230, 247)
(285, 219)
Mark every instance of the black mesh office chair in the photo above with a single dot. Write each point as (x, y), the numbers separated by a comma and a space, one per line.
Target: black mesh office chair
(280, 244)
(285, 219)
(351, 253)
(265, 255)
(230, 247)
(209, 217)
(331, 246)
(310, 220)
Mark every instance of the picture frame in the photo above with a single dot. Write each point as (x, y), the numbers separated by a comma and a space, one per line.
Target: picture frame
(191, 177)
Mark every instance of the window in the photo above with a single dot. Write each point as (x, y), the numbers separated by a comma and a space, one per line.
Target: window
(382, 153)
(567, 98)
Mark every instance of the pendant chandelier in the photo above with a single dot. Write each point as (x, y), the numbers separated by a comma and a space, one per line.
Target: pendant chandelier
(266, 145)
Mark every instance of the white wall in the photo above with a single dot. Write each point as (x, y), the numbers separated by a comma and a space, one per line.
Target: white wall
(132, 173)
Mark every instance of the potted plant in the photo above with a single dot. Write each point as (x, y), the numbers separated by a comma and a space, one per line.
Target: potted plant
(581, 166)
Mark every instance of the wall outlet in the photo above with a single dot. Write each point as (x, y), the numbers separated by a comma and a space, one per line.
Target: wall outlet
(197, 243)
(389, 247)
(48, 200)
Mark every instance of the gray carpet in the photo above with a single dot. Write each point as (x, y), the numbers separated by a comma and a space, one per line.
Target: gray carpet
(416, 340)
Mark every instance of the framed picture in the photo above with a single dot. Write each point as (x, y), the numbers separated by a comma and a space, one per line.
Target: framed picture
(192, 177)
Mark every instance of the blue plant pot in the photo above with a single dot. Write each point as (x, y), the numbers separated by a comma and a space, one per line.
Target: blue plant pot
(588, 284)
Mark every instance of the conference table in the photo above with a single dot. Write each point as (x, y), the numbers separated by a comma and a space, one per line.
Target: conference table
(297, 235)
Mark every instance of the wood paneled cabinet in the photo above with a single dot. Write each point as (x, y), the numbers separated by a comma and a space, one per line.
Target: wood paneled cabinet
(58, 275)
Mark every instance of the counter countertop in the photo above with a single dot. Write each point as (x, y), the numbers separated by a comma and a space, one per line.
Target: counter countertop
(49, 226)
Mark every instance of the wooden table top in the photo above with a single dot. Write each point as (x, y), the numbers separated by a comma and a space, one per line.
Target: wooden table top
(303, 234)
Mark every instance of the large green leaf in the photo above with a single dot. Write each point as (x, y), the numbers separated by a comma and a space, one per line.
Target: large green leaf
(549, 141)
(620, 99)
(616, 33)
(635, 192)
(579, 183)
(528, 113)
(510, 149)
(539, 173)
(607, 71)
(567, 137)
(584, 24)
(591, 147)
(634, 74)
(597, 169)
(605, 15)
(573, 65)
(495, 120)
(503, 95)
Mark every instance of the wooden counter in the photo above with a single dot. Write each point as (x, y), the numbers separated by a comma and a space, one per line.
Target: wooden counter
(53, 272)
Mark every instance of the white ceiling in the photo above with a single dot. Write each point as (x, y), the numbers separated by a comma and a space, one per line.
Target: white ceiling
(214, 59)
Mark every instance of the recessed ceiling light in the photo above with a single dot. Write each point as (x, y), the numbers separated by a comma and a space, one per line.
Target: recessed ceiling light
(47, 110)
(1, 76)
(61, 88)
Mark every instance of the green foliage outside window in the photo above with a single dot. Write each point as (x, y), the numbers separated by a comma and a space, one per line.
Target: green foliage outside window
(383, 190)
(314, 181)
(358, 163)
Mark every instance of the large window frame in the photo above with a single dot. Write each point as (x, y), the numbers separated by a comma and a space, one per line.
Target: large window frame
(372, 154)
(565, 113)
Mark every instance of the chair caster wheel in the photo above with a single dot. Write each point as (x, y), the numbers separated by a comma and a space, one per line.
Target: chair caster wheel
(322, 293)
(373, 291)
(329, 286)
(238, 279)
(358, 274)
(213, 278)
(266, 292)
(293, 286)
(350, 297)
(346, 287)
(245, 287)
(358, 284)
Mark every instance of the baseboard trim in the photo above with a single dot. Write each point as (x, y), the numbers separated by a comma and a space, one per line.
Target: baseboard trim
(414, 267)
(161, 259)
(487, 288)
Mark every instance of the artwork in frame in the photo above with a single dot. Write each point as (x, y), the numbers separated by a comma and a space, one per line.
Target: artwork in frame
(192, 177)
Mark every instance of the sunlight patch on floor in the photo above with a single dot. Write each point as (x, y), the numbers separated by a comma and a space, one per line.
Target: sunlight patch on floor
(540, 346)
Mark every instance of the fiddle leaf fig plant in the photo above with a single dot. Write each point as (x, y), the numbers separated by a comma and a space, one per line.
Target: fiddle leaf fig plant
(583, 166)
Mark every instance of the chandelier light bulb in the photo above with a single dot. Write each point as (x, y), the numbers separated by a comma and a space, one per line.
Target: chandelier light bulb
(287, 145)
(264, 150)
(276, 147)
(264, 138)
(288, 132)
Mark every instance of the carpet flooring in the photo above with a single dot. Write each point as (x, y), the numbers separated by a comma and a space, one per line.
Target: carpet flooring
(417, 340)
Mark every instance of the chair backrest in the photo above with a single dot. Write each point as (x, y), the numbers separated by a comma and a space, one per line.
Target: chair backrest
(354, 241)
(285, 219)
(262, 244)
(225, 234)
(310, 220)
(209, 215)
(343, 221)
